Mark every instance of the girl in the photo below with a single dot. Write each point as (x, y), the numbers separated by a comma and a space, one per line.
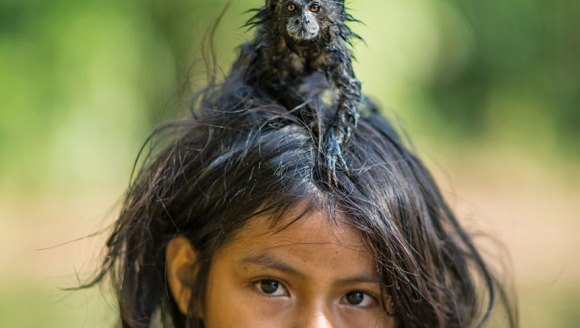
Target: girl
(235, 223)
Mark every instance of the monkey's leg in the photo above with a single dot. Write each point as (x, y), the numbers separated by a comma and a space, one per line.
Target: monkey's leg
(349, 88)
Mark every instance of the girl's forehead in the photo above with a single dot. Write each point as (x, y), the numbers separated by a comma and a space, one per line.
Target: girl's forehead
(313, 242)
(311, 227)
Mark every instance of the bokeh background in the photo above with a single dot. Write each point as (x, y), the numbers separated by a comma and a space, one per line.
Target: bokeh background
(488, 91)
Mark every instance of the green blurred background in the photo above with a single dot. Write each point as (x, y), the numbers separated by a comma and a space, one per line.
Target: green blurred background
(489, 92)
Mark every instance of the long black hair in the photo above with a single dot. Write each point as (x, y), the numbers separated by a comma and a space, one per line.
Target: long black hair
(240, 153)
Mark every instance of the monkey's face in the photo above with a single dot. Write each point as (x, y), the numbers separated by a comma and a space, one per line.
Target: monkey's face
(305, 20)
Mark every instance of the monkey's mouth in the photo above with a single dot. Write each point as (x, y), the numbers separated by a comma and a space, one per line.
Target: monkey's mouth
(302, 32)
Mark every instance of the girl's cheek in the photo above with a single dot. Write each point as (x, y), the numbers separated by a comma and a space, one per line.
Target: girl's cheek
(274, 312)
(350, 317)
(247, 308)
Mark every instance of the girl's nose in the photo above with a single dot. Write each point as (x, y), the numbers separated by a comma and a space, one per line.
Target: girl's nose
(314, 317)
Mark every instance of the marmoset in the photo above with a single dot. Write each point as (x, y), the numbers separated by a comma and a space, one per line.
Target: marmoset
(295, 39)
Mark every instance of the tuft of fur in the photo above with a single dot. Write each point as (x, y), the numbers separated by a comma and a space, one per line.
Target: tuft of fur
(295, 40)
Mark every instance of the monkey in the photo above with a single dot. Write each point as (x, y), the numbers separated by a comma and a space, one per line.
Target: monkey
(297, 38)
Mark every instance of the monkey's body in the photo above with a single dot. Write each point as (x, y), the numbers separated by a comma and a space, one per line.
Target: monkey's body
(291, 45)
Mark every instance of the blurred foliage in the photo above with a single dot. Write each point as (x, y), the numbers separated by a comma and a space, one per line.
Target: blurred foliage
(82, 82)
(522, 73)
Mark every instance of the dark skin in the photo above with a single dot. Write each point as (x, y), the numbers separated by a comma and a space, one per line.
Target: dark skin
(294, 40)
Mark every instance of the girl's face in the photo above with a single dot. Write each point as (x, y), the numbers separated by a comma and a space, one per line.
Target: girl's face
(314, 273)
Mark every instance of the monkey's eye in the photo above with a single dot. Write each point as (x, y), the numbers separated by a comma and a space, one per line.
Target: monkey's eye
(315, 7)
(291, 7)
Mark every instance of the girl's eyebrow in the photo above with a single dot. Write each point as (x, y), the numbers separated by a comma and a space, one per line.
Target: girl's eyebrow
(362, 278)
(272, 262)
(267, 260)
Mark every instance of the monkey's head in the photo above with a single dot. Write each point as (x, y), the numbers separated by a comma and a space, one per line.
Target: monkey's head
(305, 20)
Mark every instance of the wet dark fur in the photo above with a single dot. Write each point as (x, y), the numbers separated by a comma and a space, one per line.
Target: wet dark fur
(278, 64)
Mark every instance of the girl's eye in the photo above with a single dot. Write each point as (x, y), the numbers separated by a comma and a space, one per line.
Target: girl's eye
(358, 299)
(291, 7)
(315, 7)
(271, 288)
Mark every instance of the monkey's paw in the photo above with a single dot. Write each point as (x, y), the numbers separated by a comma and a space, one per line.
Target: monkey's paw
(333, 153)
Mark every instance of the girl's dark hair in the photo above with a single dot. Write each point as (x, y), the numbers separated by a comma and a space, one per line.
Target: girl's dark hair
(241, 153)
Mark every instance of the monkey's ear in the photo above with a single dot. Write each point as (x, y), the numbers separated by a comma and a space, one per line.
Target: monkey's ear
(271, 4)
(181, 271)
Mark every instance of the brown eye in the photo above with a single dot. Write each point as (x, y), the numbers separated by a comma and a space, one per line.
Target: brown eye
(315, 7)
(291, 7)
(355, 298)
(358, 299)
